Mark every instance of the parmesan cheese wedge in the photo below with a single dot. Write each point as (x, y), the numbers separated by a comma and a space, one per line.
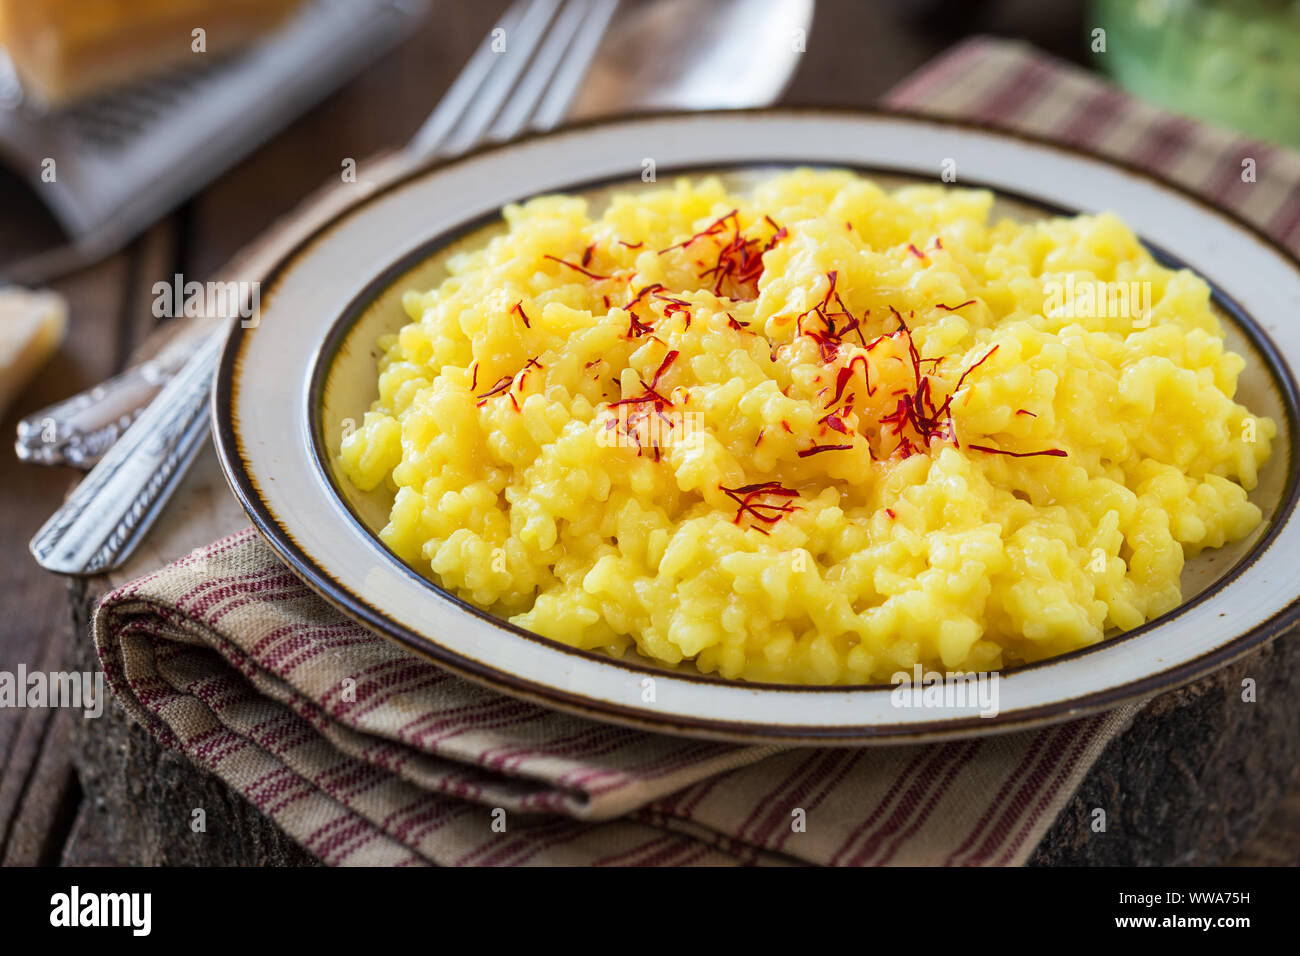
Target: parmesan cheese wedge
(32, 326)
(66, 50)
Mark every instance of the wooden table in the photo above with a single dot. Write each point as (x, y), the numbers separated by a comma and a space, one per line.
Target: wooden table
(53, 811)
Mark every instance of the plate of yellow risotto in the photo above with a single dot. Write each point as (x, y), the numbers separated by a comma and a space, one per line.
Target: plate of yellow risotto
(798, 426)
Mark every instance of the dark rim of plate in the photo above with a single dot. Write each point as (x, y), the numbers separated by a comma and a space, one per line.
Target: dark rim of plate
(239, 477)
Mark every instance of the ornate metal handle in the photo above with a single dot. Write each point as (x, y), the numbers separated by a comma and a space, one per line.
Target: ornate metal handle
(110, 510)
(79, 430)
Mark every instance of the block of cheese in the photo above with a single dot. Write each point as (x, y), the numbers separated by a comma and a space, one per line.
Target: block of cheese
(32, 326)
(65, 50)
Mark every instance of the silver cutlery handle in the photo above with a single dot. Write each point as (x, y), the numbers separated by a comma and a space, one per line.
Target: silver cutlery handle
(117, 502)
(79, 430)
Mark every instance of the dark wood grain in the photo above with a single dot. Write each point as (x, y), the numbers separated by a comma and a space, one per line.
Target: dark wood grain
(856, 51)
(1187, 783)
(1196, 775)
(33, 605)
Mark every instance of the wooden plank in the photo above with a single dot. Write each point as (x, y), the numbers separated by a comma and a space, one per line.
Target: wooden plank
(1278, 843)
(154, 259)
(27, 226)
(141, 797)
(109, 314)
(90, 842)
(33, 604)
(50, 800)
(1195, 777)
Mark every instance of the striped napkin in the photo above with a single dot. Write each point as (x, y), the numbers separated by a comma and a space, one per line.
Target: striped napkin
(367, 755)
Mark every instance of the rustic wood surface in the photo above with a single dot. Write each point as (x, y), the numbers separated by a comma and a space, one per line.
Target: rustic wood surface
(1194, 777)
(119, 804)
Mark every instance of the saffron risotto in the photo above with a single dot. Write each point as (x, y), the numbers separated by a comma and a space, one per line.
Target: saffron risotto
(814, 432)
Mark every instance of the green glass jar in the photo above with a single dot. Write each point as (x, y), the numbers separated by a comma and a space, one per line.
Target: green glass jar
(1232, 62)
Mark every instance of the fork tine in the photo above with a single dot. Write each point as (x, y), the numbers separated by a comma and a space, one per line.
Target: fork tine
(581, 52)
(532, 83)
(435, 130)
(502, 77)
(544, 67)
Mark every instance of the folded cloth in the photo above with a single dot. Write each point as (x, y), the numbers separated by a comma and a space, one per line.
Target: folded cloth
(366, 754)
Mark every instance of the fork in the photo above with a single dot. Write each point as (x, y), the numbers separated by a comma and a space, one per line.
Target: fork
(548, 47)
(523, 75)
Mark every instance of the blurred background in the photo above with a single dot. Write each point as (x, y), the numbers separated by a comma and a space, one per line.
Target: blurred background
(140, 103)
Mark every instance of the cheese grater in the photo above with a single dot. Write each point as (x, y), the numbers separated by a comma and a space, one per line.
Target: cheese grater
(125, 159)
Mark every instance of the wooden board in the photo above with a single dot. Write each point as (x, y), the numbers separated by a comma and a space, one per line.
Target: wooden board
(51, 811)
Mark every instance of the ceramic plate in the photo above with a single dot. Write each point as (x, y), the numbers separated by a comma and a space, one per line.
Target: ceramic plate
(288, 386)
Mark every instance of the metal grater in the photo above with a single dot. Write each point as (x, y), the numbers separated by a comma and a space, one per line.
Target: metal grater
(127, 158)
